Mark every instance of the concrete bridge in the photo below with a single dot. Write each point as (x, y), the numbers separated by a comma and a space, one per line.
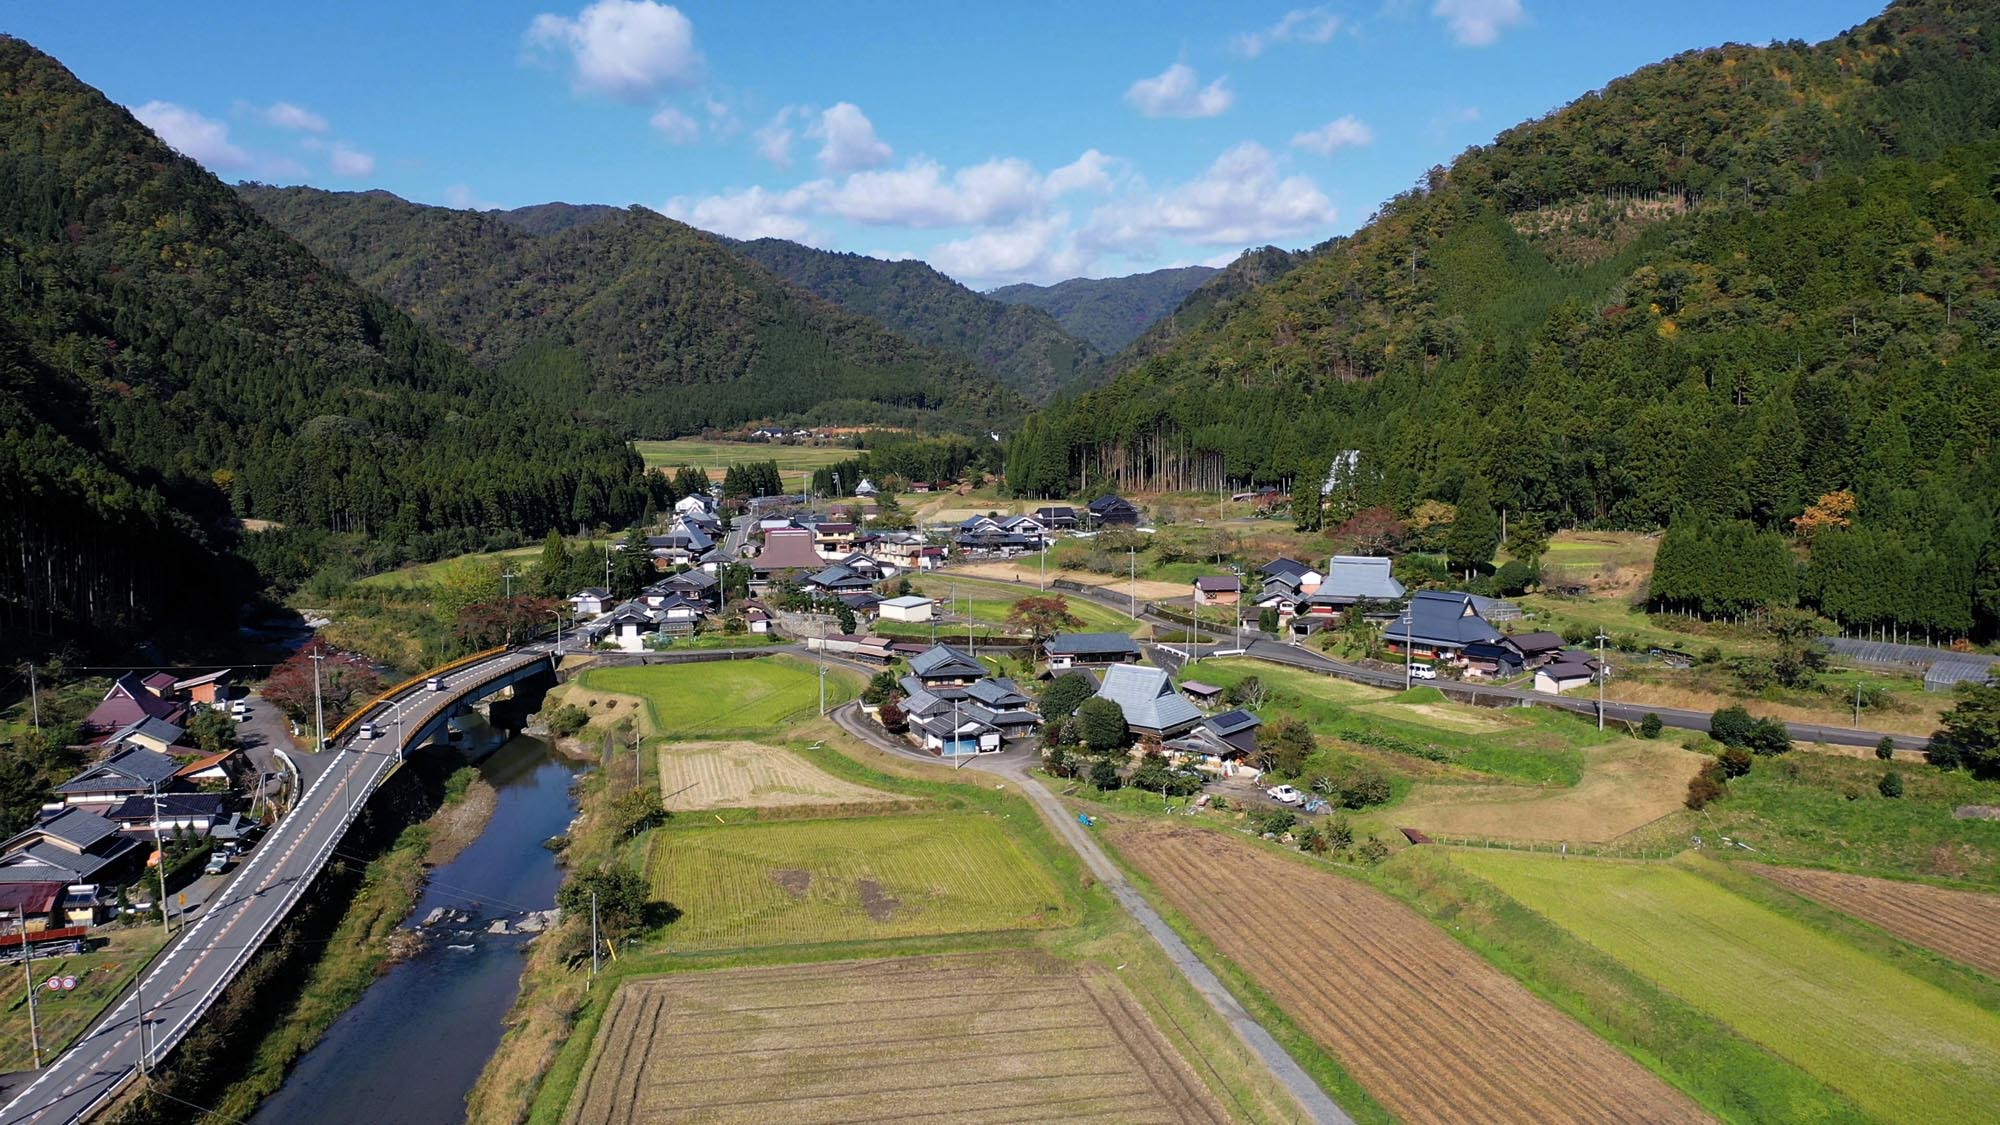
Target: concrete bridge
(143, 1026)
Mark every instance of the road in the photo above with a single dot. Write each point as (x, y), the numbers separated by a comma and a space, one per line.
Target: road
(1014, 765)
(187, 976)
(1297, 656)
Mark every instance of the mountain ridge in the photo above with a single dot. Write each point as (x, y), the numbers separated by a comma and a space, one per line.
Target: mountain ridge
(1109, 312)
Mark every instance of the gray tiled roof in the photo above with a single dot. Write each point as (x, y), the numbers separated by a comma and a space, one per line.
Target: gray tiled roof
(130, 767)
(1361, 576)
(1148, 698)
(945, 660)
(1092, 644)
(1442, 618)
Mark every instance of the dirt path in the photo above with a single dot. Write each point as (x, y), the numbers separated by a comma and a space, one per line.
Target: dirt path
(1294, 1078)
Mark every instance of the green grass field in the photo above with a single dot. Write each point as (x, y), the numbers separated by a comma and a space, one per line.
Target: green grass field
(844, 880)
(1532, 745)
(1901, 1048)
(794, 461)
(988, 603)
(423, 575)
(718, 698)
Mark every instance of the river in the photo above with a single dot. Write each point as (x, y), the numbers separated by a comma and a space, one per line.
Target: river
(413, 1046)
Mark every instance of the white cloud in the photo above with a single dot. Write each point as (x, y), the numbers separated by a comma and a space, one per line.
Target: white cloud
(849, 143)
(199, 138)
(1478, 23)
(285, 115)
(1177, 92)
(1090, 172)
(774, 138)
(347, 161)
(1342, 132)
(750, 213)
(1241, 199)
(627, 49)
(1300, 25)
(464, 198)
(677, 127)
(1036, 249)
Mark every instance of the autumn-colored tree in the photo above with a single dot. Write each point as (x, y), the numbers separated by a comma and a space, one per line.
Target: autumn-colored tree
(1042, 618)
(1429, 521)
(504, 621)
(345, 680)
(1833, 510)
(1371, 531)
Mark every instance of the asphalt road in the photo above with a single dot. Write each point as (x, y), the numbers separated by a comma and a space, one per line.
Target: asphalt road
(204, 957)
(1014, 765)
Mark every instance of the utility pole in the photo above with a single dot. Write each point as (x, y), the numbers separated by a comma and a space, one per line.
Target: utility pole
(319, 712)
(1857, 704)
(1132, 561)
(166, 912)
(593, 935)
(35, 702)
(139, 997)
(508, 578)
(28, 976)
(1601, 670)
(1409, 627)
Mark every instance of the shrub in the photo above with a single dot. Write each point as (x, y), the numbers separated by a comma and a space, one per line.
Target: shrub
(1373, 850)
(1650, 726)
(566, 721)
(458, 783)
(1154, 775)
(1104, 775)
(1706, 786)
(1886, 749)
(880, 687)
(1362, 787)
(1339, 833)
(1891, 785)
(1275, 823)
(1312, 840)
(1731, 726)
(1246, 692)
(1735, 762)
(636, 810)
(1065, 694)
(1769, 737)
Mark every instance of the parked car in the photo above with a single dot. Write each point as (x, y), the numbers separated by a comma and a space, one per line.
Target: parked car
(1423, 672)
(1284, 794)
(239, 708)
(218, 863)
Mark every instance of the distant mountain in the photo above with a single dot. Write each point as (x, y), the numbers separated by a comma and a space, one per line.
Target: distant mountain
(1211, 299)
(1024, 348)
(1109, 312)
(170, 361)
(633, 318)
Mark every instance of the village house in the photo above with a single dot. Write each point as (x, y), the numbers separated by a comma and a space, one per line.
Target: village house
(834, 539)
(786, 551)
(1437, 626)
(74, 846)
(1497, 659)
(1003, 704)
(31, 907)
(1056, 517)
(1147, 697)
(591, 601)
(697, 586)
(866, 488)
(1224, 744)
(1112, 511)
(1201, 694)
(837, 579)
(128, 701)
(126, 773)
(1224, 589)
(209, 690)
(945, 666)
(157, 735)
(194, 813)
(905, 550)
(1570, 669)
(854, 646)
(1089, 650)
(1353, 580)
(1536, 649)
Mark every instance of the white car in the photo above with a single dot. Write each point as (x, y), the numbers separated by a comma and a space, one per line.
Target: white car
(1423, 672)
(239, 709)
(1284, 794)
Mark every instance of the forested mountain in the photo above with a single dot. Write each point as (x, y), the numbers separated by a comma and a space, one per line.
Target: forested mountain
(550, 218)
(634, 319)
(1211, 300)
(168, 360)
(1109, 312)
(1715, 290)
(1023, 347)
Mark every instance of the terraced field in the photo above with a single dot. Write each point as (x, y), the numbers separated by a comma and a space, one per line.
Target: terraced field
(838, 880)
(1900, 1048)
(989, 1037)
(1431, 1030)
(751, 775)
(1962, 925)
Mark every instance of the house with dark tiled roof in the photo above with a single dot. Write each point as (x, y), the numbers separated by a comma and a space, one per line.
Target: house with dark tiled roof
(1537, 648)
(787, 551)
(156, 735)
(1224, 744)
(1437, 626)
(126, 773)
(944, 665)
(1093, 650)
(591, 601)
(1569, 669)
(1220, 589)
(73, 846)
(1056, 517)
(170, 812)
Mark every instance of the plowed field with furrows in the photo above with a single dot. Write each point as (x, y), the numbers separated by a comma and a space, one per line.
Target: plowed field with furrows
(1431, 1030)
(1962, 925)
(987, 1037)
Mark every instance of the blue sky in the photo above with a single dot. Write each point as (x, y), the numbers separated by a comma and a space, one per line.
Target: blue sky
(998, 143)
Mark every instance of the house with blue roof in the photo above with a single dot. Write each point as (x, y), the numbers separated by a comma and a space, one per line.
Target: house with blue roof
(1147, 697)
(1439, 625)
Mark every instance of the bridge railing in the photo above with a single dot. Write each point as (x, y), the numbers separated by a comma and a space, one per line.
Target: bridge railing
(359, 713)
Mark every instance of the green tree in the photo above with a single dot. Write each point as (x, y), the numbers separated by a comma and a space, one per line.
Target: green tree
(1731, 725)
(1886, 749)
(845, 617)
(1475, 531)
(1650, 726)
(1103, 725)
(1969, 738)
(1769, 737)
(1891, 785)
(212, 730)
(552, 572)
(620, 896)
(1284, 745)
(1065, 694)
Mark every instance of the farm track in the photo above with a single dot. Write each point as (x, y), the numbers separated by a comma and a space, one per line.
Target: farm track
(722, 1046)
(1962, 925)
(1431, 1030)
